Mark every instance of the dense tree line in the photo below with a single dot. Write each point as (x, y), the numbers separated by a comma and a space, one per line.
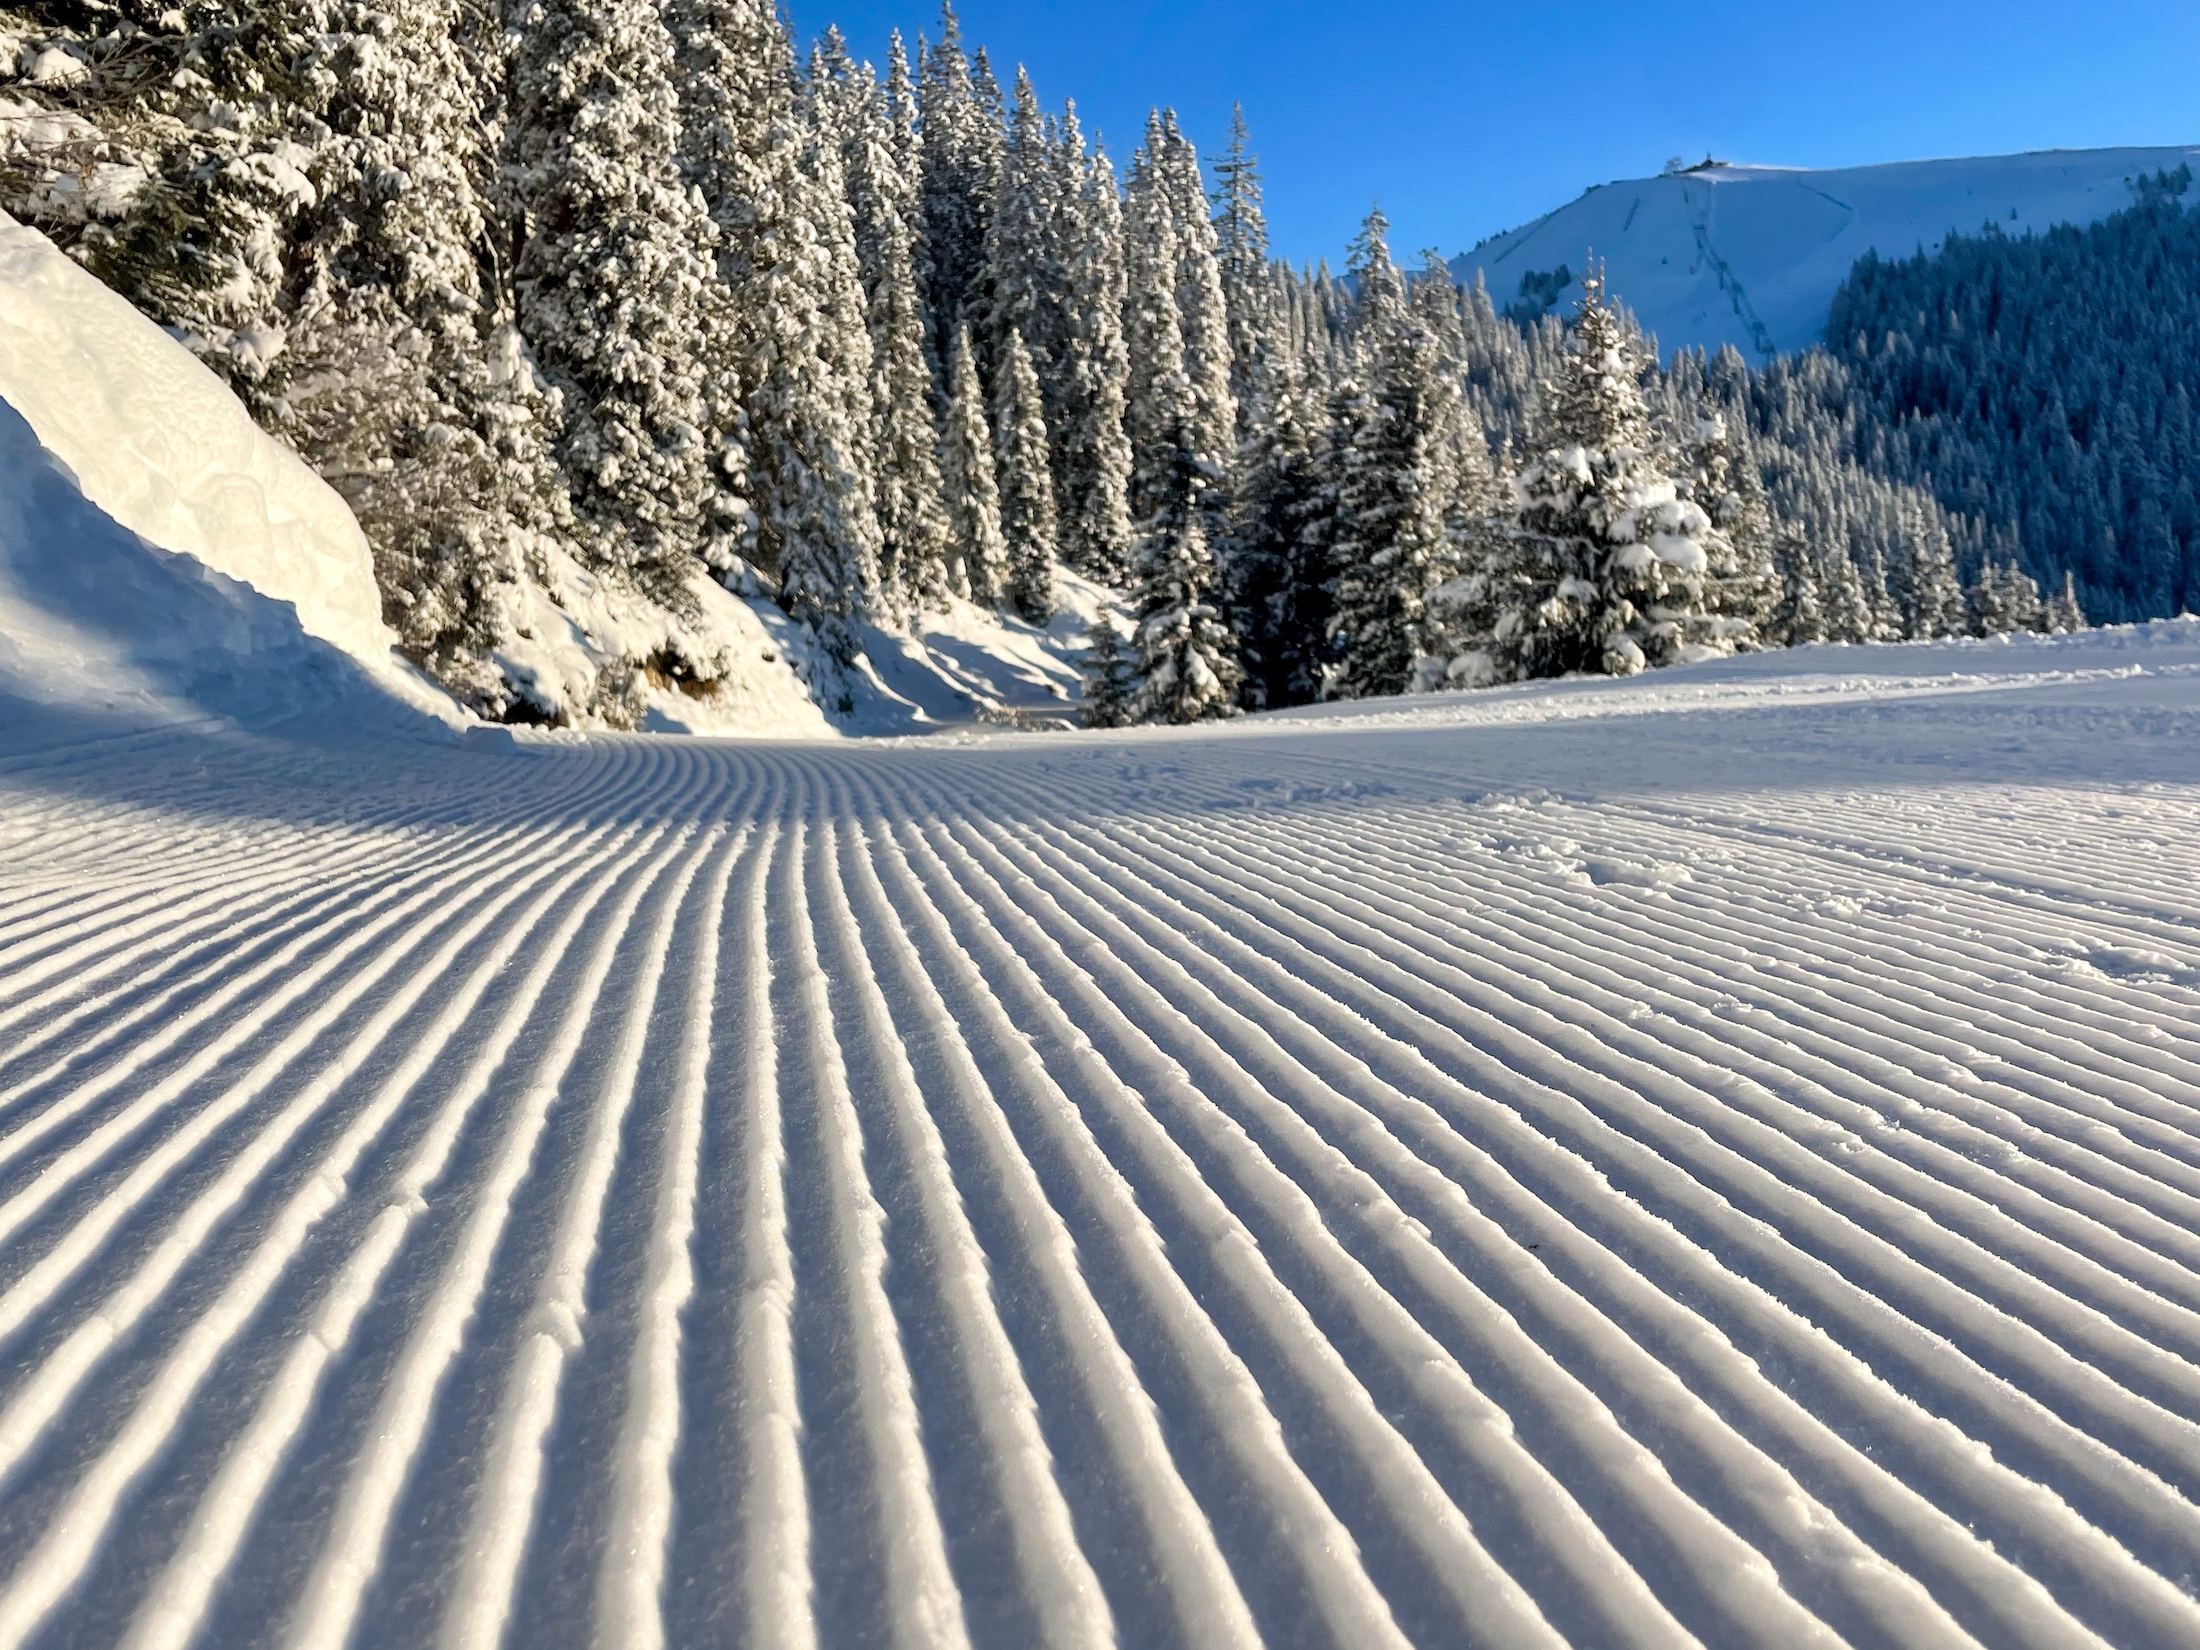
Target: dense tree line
(621, 285)
(2044, 383)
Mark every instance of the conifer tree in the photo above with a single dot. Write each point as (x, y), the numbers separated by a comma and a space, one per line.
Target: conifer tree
(980, 550)
(879, 148)
(1109, 682)
(960, 158)
(1928, 596)
(1605, 561)
(1741, 586)
(1279, 593)
(1187, 671)
(1027, 486)
(1202, 313)
(2064, 616)
(1846, 606)
(1395, 493)
(2004, 598)
(1024, 269)
(1798, 618)
(611, 281)
(1241, 237)
(1093, 440)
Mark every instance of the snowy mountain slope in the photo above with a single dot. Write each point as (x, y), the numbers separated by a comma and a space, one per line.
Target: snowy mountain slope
(1751, 255)
(1700, 1160)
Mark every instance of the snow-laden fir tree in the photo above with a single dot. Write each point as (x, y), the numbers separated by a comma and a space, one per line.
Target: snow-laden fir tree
(1024, 264)
(614, 281)
(878, 147)
(1187, 668)
(960, 158)
(1927, 594)
(795, 341)
(1395, 491)
(1741, 586)
(2064, 616)
(1798, 617)
(1109, 679)
(1604, 564)
(1203, 313)
(1026, 485)
(979, 549)
(1093, 445)
(1279, 594)
(1241, 250)
(2004, 598)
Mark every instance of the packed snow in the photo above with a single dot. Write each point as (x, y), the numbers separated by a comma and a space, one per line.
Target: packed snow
(1707, 1159)
(1751, 255)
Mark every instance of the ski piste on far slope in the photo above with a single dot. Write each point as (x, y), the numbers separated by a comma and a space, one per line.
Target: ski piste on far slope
(1752, 255)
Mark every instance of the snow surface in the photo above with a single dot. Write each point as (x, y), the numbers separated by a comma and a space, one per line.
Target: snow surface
(1709, 1159)
(1752, 255)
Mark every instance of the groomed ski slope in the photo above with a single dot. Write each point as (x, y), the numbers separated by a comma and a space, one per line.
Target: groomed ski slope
(1706, 1160)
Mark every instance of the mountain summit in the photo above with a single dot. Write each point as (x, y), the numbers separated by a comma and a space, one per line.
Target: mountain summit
(1751, 255)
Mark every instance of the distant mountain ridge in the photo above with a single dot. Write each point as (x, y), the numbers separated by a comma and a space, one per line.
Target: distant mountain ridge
(1751, 255)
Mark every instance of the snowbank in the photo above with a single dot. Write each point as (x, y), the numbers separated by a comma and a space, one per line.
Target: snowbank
(103, 634)
(159, 444)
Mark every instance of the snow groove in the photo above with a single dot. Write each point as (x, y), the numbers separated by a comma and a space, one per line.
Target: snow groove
(1446, 1183)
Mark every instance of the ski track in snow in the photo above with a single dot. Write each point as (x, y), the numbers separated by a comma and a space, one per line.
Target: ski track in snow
(1559, 1176)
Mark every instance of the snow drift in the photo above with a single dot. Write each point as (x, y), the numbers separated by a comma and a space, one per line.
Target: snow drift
(1751, 255)
(160, 447)
(102, 633)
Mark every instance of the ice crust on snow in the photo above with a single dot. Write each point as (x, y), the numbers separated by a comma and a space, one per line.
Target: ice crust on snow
(1751, 255)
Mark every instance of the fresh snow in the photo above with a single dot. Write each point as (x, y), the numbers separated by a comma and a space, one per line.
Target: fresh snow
(1707, 1159)
(1752, 255)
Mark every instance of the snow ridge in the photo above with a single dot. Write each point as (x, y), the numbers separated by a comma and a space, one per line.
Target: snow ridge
(1703, 1160)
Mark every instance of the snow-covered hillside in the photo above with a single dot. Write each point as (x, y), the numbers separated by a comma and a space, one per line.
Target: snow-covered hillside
(128, 473)
(1751, 255)
(1706, 1160)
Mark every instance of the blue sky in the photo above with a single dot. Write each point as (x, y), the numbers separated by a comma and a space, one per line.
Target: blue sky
(1466, 120)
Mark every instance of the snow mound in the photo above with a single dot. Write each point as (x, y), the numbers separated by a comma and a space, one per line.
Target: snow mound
(1752, 255)
(159, 445)
(103, 634)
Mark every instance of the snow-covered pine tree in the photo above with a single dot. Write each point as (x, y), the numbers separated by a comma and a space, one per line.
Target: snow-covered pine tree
(1092, 442)
(1024, 271)
(878, 146)
(1798, 617)
(1109, 681)
(1203, 315)
(960, 159)
(400, 377)
(2004, 598)
(2064, 616)
(979, 568)
(1241, 247)
(1027, 485)
(1395, 494)
(769, 172)
(1604, 565)
(1927, 594)
(1278, 575)
(1187, 669)
(1741, 586)
(1159, 408)
(613, 281)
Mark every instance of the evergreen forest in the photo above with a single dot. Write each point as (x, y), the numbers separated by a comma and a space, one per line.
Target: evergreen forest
(632, 292)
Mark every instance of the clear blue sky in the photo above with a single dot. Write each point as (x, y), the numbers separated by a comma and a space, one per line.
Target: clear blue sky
(1466, 120)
